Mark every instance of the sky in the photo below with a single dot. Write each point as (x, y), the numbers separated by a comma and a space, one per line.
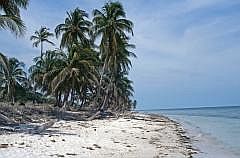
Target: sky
(188, 50)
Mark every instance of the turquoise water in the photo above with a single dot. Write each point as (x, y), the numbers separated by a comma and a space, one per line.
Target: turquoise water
(216, 129)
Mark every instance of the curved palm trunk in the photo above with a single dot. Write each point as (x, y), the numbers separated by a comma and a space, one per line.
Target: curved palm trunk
(106, 96)
(100, 84)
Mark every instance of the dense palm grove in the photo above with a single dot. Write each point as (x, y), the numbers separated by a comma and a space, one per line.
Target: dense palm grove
(90, 68)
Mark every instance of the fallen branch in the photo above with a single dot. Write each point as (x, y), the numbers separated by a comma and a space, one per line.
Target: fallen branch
(10, 129)
(6, 120)
(42, 128)
(94, 116)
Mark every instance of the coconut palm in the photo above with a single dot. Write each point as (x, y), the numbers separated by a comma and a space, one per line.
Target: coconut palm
(124, 92)
(75, 29)
(111, 25)
(11, 75)
(40, 37)
(42, 65)
(72, 73)
(123, 64)
(10, 15)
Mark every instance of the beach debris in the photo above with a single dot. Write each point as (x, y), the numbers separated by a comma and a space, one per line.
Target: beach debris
(3, 145)
(21, 143)
(26, 128)
(97, 146)
(52, 140)
(94, 116)
(116, 142)
(43, 127)
(5, 120)
(59, 155)
(124, 131)
(71, 154)
(90, 148)
(7, 128)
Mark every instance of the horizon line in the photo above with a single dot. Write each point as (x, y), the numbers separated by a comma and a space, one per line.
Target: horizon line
(157, 109)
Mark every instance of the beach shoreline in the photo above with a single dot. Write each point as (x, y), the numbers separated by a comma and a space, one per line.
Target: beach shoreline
(138, 135)
(207, 144)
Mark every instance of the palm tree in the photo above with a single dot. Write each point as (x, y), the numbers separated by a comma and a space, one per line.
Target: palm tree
(75, 29)
(124, 92)
(11, 75)
(40, 37)
(71, 73)
(10, 15)
(123, 63)
(111, 25)
(43, 65)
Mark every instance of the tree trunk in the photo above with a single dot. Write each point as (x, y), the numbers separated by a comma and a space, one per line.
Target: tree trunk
(72, 97)
(82, 103)
(101, 108)
(100, 84)
(63, 108)
(13, 100)
(9, 97)
(41, 49)
(104, 101)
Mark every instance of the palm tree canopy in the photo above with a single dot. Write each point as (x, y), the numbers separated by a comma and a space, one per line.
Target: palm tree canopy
(10, 15)
(41, 35)
(112, 18)
(12, 74)
(74, 71)
(44, 64)
(111, 24)
(75, 29)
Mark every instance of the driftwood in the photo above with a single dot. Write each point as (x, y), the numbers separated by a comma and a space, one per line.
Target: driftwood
(103, 114)
(42, 128)
(94, 116)
(7, 128)
(4, 119)
(36, 130)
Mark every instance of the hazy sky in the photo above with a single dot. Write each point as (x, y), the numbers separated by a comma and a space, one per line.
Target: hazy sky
(188, 50)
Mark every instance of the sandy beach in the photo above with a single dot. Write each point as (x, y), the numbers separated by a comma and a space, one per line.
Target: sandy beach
(139, 136)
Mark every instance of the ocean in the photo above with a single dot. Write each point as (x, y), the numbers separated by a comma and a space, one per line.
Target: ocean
(215, 131)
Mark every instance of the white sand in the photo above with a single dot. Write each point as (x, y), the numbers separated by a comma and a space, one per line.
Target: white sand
(116, 138)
